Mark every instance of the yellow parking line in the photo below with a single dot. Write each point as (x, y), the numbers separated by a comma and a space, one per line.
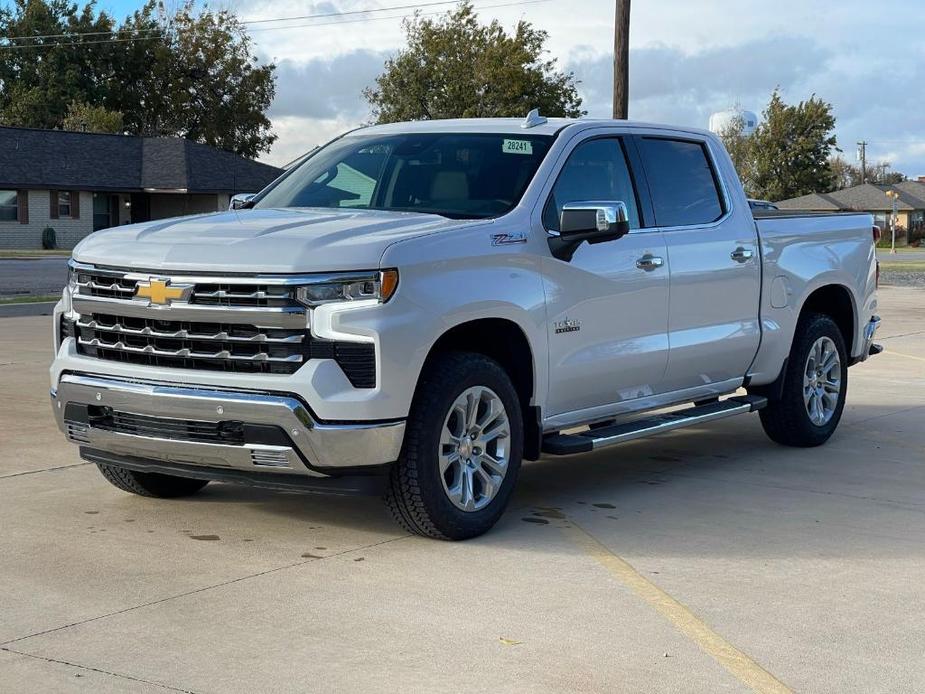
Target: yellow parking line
(907, 356)
(735, 661)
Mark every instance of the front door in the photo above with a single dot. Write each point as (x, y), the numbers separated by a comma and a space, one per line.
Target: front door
(713, 322)
(607, 308)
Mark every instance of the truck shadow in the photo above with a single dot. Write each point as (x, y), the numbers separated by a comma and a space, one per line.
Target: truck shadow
(698, 488)
(715, 476)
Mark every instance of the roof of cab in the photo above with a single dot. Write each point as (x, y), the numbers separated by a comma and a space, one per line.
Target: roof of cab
(509, 126)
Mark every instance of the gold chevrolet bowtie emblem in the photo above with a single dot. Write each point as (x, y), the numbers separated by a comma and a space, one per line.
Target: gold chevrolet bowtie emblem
(160, 292)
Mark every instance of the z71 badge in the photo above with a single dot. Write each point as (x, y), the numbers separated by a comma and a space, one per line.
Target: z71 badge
(505, 239)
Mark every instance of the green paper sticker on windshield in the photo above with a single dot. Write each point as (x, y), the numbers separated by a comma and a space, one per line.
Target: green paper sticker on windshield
(517, 147)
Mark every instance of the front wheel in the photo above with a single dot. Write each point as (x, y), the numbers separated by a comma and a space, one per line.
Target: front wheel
(462, 450)
(815, 384)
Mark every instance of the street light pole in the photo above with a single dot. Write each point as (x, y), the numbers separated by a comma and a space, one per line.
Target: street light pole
(894, 196)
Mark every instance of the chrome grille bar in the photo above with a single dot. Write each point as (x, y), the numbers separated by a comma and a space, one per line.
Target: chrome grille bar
(290, 318)
(184, 334)
(187, 353)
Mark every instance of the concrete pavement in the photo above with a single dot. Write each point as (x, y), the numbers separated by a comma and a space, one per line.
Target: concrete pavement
(647, 567)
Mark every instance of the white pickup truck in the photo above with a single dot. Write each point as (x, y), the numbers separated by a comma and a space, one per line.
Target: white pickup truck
(424, 305)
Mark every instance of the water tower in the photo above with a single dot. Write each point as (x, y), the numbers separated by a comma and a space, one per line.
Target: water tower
(723, 119)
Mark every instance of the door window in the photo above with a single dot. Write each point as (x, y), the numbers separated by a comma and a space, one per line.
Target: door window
(682, 182)
(595, 170)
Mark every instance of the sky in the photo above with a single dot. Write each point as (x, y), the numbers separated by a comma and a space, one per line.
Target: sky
(688, 59)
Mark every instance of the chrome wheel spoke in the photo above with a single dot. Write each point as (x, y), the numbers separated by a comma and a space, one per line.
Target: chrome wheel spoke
(447, 460)
(487, 482)
(496, 466)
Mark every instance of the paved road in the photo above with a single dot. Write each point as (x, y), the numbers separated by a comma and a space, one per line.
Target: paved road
(633, 569)
(34, 276)
(912, 256)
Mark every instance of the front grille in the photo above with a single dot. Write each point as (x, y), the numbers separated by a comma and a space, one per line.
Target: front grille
(191, 345)
(218, 342)
(106, 284)
(116, 285)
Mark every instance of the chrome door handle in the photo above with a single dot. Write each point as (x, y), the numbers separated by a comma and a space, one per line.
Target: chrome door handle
(649, 262)
(742, 255)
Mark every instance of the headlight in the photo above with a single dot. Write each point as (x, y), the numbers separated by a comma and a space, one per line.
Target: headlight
(377, 286)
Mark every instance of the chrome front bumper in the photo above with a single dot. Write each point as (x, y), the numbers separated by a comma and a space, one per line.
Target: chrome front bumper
(174, 419)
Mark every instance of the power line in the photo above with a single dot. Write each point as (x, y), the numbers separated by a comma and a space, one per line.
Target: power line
(64, 44)
(323, 15)
(397, 16)
(414, 6)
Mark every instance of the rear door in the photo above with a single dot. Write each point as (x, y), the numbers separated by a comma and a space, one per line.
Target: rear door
(607, 307)
(713, 326)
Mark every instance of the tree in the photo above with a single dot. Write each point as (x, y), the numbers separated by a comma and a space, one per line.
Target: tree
(40, 78)
(844, 174)
(455, 67)
(738, 144)
(188, 73)
(92, 119)
(848, 175)
(791, 147)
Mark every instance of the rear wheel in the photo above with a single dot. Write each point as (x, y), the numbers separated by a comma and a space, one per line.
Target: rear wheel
(150, 483)
(462, 450)
(814, 388)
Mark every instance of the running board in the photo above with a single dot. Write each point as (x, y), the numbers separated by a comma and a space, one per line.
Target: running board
(593, 439)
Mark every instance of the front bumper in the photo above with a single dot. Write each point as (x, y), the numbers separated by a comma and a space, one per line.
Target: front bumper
(251, 431)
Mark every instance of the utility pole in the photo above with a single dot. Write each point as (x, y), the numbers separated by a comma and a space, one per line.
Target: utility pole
(621, 59)
(862, 155)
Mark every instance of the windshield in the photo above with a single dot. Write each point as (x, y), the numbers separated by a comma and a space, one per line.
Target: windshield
(457, 175)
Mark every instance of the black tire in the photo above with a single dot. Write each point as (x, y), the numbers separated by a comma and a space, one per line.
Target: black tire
(150, 484)
(786, 421)
(415, 494)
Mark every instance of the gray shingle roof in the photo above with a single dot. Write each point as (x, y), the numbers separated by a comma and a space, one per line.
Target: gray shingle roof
(31, 158)
(864, 198)
(813, 201)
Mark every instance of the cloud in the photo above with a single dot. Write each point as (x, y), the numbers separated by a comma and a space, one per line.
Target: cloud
(671, 84)
(326, 87)
(687, 60)
(298, 135)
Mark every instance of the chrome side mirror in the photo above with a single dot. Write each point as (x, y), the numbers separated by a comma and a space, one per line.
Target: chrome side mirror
(609, 220)
(594, 221)
(240, 200)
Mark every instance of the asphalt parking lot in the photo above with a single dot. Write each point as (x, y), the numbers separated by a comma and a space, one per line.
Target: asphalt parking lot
(704, 560)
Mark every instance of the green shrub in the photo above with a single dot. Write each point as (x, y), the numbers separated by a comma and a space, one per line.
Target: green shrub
(49, 239)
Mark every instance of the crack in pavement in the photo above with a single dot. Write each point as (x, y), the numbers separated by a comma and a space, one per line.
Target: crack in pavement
(203, 589)
(47, 469)
(98, 670)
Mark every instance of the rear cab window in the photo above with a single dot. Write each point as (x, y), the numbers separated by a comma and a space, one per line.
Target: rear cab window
(682, 181)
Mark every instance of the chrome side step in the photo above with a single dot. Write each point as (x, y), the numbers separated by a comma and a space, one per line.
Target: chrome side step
(593, 439)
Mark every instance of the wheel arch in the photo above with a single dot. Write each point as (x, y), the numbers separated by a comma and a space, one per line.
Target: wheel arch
(837, 302)
(832, 299)
(506, 342)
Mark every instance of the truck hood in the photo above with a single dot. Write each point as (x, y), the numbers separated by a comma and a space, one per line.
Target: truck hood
(273, 240)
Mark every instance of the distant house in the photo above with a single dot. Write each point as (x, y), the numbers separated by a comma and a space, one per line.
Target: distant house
(910, 205)
(78, 183)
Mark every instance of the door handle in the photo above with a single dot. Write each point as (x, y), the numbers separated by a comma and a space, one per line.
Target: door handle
(742, 255)
(649, 262)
